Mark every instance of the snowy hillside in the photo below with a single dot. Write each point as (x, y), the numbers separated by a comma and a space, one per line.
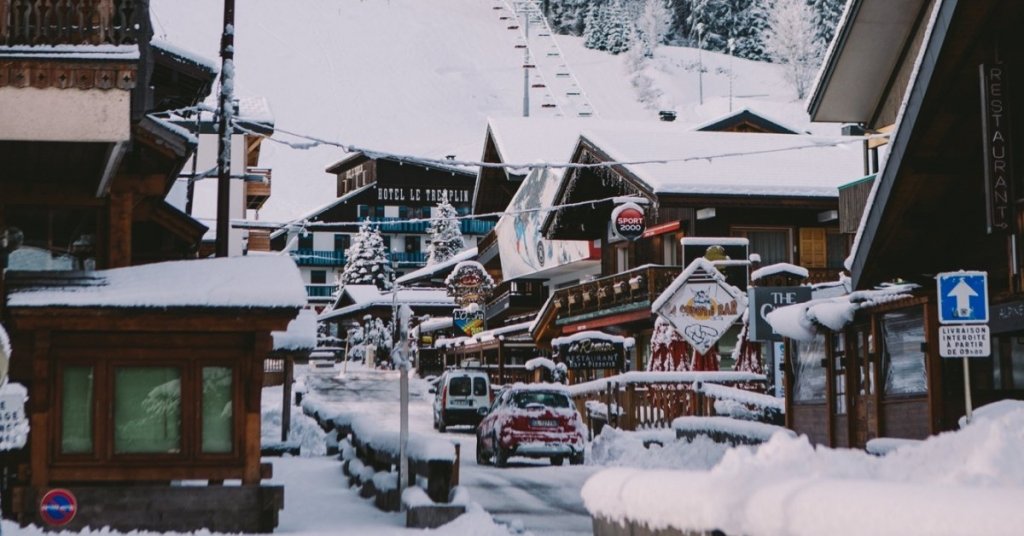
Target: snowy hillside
(421, 77)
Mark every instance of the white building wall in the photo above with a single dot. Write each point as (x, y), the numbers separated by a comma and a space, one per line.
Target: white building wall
(51, 114)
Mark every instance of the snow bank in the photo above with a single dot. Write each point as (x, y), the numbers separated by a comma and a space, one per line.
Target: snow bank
(722, 392)
(779, 268)
(753, 432)
(653, 449)
(304, 431)
(369, 431)
(965, 482)
(636, 377)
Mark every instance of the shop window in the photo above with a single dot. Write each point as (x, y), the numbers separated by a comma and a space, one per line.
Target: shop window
(808, 370)
(76, 410)
(773, 245)
(147, 410)
(903, 358)
(217, 410)
(838, 375)
(1008, 362)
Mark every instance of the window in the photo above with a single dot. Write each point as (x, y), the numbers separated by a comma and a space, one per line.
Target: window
(147, 410)
(526, 399)
(773, 245)
(673, 249)
(621, 258)
(306, 241)
(838, 375)
(460, 386)
(837, 249)
(76, 410)
(813, 247)
(479, 387)
(218, 433)
(342, 242)
(318, 277)
(412, 244)
(808, 370)
(1008, 362)
(366, 211)
(902, 355)
(387, 242)
(390, 211)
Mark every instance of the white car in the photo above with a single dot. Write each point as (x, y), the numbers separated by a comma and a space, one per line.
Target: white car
(462, 397)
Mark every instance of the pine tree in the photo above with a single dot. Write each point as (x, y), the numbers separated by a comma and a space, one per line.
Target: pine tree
(826, 16)
(445, 234)
(377, 335)
(367, 260)
(652, 26)
(618, 29)
(791, 41)
(595, 27)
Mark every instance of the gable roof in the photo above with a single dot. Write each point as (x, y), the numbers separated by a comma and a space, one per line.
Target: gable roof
(746, 116)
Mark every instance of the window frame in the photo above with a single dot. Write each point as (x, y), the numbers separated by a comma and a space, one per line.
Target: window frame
(740, 231)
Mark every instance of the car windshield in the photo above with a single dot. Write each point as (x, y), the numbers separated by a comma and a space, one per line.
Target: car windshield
(460, 386)
(479, 387)
(543, 398)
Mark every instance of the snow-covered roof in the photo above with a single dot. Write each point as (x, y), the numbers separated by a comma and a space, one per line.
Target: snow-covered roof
(733, 163)
(246, 282)
(483, 336)
(626, 342)
(255, 110)
(364, 296)
(72, 52)
(300, 334)
(431, 325)
(187, 55)
(748, 112)
(432, 269)
(779, 268)
(323, 208)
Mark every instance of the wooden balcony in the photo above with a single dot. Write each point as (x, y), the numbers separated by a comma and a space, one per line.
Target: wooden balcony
(259, 240)
(629, 291)
(257, 187)
(70, 22)
(517, 296)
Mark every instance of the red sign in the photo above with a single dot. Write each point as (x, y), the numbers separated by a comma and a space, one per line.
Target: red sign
(58, 507)
(628, 221)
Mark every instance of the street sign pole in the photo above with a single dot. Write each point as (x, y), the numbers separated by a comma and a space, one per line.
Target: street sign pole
(963, 315)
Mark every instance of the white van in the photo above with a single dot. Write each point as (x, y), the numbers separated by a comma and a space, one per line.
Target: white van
(462, 397)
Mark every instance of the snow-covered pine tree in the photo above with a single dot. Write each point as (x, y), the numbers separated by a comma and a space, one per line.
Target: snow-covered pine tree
(826, 16)
(652, 26)
(445, 233)
(618, 29)
(377, 335)
(367, 260)
(791, 41)
(595, 27)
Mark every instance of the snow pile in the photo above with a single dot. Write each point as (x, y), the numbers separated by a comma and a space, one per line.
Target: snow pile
(779, 268)
(654, 449)
(965, 482)
(369, 431)
(745, 432)
(300, 335)
(304, 431)
(801, 321)
(539, 362)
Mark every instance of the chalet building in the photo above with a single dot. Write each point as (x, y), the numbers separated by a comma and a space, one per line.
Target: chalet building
(935, 74)
(250, 182)
(384, 190)
(776, 197)
(115, 344)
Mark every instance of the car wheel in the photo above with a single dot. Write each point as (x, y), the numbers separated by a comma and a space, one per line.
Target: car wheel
(500, 454)
(441, 426)
(557, 460)
(576, 459)
(481, 459)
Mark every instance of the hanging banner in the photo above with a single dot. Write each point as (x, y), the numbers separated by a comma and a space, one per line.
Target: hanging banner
(995, 130)
(628, 221)
(701, 305)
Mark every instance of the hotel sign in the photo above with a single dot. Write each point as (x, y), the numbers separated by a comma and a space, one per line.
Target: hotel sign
(996, 131)
(422, 195)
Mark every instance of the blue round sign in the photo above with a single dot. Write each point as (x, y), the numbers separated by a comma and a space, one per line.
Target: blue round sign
(58, 507)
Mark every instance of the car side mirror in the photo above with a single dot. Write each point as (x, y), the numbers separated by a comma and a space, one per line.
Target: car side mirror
(432, 390)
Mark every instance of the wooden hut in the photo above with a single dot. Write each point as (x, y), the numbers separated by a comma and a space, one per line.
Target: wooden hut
(140, 378)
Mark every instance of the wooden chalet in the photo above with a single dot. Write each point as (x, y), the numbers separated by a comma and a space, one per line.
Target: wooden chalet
(117, 356)
(356, 301)
(781, 202)
(912, 68)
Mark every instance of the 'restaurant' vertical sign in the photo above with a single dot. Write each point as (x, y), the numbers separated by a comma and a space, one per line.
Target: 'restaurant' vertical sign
(996, 131)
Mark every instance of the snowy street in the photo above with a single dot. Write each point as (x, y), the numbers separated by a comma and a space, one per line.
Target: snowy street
(528, 494)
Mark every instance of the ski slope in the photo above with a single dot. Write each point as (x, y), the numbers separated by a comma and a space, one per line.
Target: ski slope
(422, 77)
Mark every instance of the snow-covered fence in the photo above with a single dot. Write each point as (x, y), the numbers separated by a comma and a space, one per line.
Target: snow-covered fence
(370, 455)
(743, 403)
(654, 399)
(727, 430)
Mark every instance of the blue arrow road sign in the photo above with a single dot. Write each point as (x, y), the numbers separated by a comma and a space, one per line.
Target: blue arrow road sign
(963, 297)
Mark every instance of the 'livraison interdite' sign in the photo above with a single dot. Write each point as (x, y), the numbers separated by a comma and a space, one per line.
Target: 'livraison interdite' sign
(701, 305)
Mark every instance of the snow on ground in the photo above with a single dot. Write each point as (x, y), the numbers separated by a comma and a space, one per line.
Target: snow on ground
(965, 482)
(422, 77)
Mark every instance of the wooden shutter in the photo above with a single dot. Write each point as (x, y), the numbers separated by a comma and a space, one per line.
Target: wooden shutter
(813, 248)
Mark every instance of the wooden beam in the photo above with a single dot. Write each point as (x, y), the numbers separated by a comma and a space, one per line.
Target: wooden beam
(114, 156)
(120, 230)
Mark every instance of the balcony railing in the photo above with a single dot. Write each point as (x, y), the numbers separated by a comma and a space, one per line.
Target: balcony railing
(316, 257)
(257, 187)
(614, 294)
(321, 291)
(69, 22)
(398, 225)
(409, 257)
(516, 294)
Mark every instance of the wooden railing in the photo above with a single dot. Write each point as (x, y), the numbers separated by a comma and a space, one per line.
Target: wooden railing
(654, 400)
(613, 293)
(69, 22)
(257, 187)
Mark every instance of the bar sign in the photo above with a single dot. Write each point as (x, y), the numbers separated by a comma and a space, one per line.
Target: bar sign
(996, 143)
